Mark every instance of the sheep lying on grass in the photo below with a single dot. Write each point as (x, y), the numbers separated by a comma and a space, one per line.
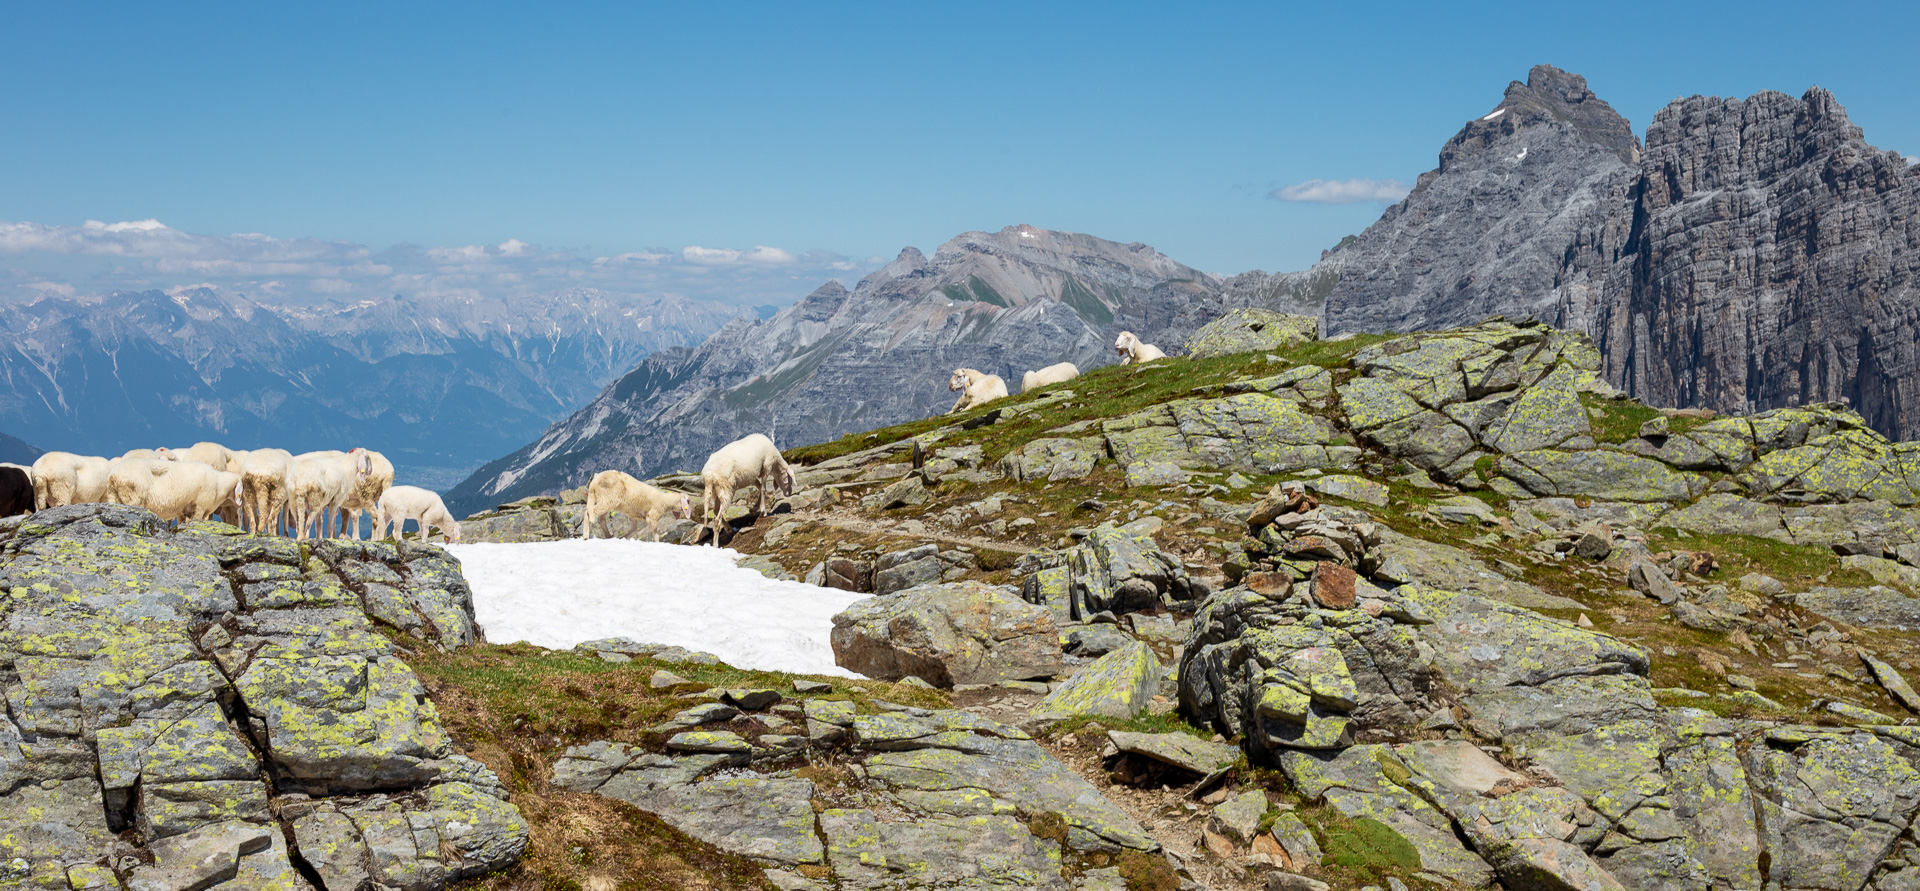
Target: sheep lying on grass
(975, 388)
(1133, 352)
(612, 491)
(1052, 374)
(399, 504)
(752, 460)
(62, 478)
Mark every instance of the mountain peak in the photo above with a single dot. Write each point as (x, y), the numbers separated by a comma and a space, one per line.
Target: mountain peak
(1549, 97)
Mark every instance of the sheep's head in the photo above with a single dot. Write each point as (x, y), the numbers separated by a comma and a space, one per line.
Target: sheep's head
(1126, 342)
(451, 531)
(785, 483)
(362, 462)
(683, 509)
(962, 379)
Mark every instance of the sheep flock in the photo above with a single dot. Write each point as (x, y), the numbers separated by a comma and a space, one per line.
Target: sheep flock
(323, 494)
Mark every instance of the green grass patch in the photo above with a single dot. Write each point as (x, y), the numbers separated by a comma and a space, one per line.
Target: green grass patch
(1100, 394)
(1737, 555)
(1359, 850)
(1170, 722)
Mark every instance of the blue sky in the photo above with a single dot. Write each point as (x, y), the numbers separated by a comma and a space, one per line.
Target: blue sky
(844, 130)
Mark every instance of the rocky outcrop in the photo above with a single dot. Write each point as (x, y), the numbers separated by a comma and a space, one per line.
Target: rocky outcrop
(222, 694)
(1596, 786)
(948, 634)
(1247, 330)
(1757, 254)
(974, 793)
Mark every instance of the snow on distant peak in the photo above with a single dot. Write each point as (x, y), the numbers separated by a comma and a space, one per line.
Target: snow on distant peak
(1523, 154)
(1496, 113)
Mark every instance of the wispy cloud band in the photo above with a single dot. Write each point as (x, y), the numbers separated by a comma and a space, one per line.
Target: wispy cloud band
(1342, 191)
(38, 260)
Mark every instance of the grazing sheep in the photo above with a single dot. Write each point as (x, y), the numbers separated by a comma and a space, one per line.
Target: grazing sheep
(612, 491)
(365, 494)
(212, 454)
(398, 504)
(16, 490)
(975, 389)
(62, 478)
(1052, 374)
(1133, 352)
(145, 453)
(265, 471)
(751, 460)
(318, 483)
(173, 490)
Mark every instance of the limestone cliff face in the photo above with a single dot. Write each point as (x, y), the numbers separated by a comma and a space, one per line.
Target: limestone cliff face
(1517, 220)
(1758, 253)
(1772, 262)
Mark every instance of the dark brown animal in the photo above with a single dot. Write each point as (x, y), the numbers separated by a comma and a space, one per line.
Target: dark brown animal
(16, 492)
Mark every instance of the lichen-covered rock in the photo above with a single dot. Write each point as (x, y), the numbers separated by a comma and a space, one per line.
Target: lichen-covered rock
(1250, 432)
(533, 523)
(1054, 459)
(1116, 685)
(1247, 330)
(1120, 569)
(947, 634)
(147, 698)
(1598, 473)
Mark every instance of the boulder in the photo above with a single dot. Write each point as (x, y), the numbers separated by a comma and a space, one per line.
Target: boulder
(1181, 750)
(947, 634)
(1349, 487)
(901, 570)
(1249, 432)
(1598, 473)
(1054, 459)
(1250, 330)
(539, 522)
(1117, 685)
(1120, 569)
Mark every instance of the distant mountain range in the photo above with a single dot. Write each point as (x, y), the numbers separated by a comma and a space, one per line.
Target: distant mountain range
(1000, 302)
(13, 451)
(1753, 254)
(438, 384)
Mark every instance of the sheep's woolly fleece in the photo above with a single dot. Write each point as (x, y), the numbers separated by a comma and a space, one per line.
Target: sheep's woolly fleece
(557, 594)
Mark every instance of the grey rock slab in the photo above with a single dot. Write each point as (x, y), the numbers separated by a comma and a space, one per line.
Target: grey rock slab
(1481, 644)
(1178, 749)
(1871, 607)
(866, 852)
(1404, 559)
(1895, 684)
(331, 845)
(767, 818)
(1651, 581)
(1120, 569)
(1117, 685)
(200, 859)
(1833, 807)
(1349, 487)
(1020, 772)
(1238, 818)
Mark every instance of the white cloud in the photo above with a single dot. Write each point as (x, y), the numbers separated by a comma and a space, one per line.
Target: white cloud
(1342, 191)
(100, 257)
(1913, 159)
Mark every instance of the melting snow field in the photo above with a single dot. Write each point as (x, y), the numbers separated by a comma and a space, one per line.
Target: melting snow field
(559, 593)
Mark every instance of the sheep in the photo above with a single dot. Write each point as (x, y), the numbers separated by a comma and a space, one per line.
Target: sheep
(1133, 352)
(212, 454)
(145, 453)
(398, 504)
(612, 491)
(16, 490)
(365, 494)
(318, 483)
(62, 478)
(173, 490)
(751, 460)
(265, 472)
(1052, 374)
(975, 389)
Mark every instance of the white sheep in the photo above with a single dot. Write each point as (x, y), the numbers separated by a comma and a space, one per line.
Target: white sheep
(398, 504)
(1053, 374)
(365, 493)
(612, 490)
(173, 490)
(751, 460)
(61, 478)
(212, 454)
(318, 483)
(1133, 352)
(975, 388)
(145, 453)
(265, 472)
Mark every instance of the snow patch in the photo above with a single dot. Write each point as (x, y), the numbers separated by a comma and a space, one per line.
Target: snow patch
(1523, 154)
(559, 593)
(1496, 113)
